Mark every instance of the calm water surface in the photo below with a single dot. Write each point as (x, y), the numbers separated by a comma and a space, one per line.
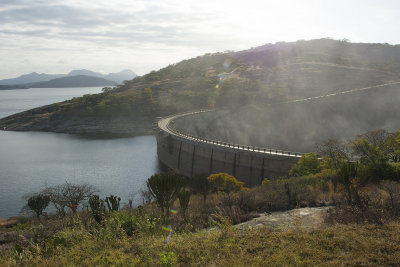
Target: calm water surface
(14, 101)
(30, 161)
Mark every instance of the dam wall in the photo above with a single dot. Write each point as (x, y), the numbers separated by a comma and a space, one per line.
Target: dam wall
(190, 155)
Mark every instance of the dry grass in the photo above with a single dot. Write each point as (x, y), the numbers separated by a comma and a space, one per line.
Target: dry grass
(366, 245)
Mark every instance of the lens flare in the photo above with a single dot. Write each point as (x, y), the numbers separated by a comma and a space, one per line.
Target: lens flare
(173, 211)
(167, 229)
(168, 237)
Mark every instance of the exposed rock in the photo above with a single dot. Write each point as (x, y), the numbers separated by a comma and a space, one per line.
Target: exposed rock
(304, 218)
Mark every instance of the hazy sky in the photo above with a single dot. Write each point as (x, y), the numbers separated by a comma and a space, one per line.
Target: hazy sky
(56, 36)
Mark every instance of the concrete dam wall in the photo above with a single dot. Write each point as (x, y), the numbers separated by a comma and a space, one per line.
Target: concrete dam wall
(189, 155)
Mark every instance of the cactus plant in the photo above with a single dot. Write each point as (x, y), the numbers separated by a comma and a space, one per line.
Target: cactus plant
(164, 188)
(184, 198)
(113, 203)
(97, 208)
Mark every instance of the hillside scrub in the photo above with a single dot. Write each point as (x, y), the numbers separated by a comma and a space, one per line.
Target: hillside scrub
(366, 245)
(136, 236)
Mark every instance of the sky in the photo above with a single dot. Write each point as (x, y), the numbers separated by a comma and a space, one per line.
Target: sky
(56, 36)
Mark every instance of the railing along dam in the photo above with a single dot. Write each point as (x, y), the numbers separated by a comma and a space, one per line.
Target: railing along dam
(190, 155)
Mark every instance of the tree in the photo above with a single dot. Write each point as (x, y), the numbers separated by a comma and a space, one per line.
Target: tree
(200, 185)
(371, 147)
(374, 154)
(347, 174)
(164, 188)
(38, 203)
(392, 144)
(225, 182)
(57, 197)
(184, 198)
(69, 195)
(334, 152)
(307, 164)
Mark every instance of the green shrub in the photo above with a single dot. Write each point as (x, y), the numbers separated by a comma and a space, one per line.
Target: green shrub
(38, 203)
(168, 259)
(132, 224)
(307, 164)
(225, 182)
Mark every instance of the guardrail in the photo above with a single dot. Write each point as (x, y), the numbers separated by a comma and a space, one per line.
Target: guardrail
(168, 128)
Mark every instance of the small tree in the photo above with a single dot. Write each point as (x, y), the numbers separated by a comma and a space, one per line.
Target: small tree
(69, 195)
(38, 203)
(57, 197)
(392, 143)
(164, 188)
(346, 174)
(200, 185)
(225, 182)
(334, 153)
(184, 198)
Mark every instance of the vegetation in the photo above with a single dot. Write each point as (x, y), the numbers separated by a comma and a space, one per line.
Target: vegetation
(97, 208)
(165, 189)
(69, 195)
(223, 182)
(307, 165)
(38, 203)
(113, 203)
(199, 184)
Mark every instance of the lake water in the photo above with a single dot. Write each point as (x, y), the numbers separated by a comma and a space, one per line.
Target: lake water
(30, 161)
(14, 101)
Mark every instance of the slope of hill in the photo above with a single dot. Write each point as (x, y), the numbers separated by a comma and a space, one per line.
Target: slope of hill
(300, 125)
(258, 76)
(64, 82)
(118, 77)
(74, 81)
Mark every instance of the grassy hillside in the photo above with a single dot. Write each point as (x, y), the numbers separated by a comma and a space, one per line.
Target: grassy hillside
(366, 245)
(269, 73)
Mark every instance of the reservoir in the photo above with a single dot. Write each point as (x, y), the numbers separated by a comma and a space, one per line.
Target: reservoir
(30, 161)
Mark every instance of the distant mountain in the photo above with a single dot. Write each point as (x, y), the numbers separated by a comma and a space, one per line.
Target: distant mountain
(35, 77)
(31, 78)
(121, 76)
(73, 81)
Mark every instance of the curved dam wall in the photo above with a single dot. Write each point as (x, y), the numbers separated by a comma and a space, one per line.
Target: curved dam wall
(189, 155)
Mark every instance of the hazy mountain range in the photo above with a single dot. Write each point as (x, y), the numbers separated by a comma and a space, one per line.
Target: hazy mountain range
(34, 79)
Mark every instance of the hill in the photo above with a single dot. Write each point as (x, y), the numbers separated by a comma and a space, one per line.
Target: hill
(258, 76)
(74, 81)
(64, 82)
